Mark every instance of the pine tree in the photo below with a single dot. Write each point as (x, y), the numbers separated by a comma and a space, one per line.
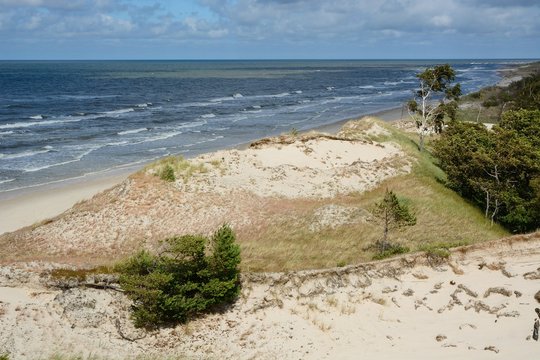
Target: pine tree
(392, 214)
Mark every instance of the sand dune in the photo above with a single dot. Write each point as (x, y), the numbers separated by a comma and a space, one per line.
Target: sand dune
(143, 209)
(477, 305)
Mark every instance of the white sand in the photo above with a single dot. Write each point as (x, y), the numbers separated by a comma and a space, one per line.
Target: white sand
(29, 208)
(398, 309)
(319, 167)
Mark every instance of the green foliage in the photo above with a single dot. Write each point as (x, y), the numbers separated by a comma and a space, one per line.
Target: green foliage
(167, 174)
(79, 274)
(391, 213)
(294, 132)
(441, 250)
(498, 170)
(525, 93)
(521, 94)
(4, 356)
(183, 280)
(175, 167)
(391, 250)
(435, 83)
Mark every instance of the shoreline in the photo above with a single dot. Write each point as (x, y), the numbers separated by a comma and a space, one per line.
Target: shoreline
(24, 207)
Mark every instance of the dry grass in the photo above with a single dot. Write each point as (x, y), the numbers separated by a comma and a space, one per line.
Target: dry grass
(183, 169)
(275, 234)
(285, 243)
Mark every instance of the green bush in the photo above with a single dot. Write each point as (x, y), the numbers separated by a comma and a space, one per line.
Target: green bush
(498, 169)
(167, 174)
(391, 250)
(184, 280)
(439, 251)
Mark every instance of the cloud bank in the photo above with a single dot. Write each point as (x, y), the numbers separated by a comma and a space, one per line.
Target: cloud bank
(272, 28)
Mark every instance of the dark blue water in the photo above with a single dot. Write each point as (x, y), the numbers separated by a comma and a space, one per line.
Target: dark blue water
(61, 120)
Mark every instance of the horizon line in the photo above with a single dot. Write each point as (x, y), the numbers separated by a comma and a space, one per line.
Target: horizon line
(275, 59)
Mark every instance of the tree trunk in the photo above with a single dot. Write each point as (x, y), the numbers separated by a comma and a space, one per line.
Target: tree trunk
(421, 143)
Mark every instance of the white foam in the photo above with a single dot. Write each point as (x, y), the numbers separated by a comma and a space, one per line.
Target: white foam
(283, 94)
(216, 138)
(117, 143)
(162, 136)
(192, 124)
(228, 98)
(367, 87)
(78, 158)
(197, 104)
(37, 117)
(330, 88)
(118, 112)
(208, 116)
(6, 133)
(298, 91)
(38, 123)
(6, 181)
(134, 131)
(37, 168)
(27, 153)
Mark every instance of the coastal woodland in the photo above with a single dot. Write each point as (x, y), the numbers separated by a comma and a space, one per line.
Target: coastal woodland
(498, 169)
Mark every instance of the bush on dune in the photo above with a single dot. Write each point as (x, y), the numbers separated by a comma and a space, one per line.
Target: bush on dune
(184, 280)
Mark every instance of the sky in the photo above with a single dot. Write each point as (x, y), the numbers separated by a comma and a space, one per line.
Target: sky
(269, 29)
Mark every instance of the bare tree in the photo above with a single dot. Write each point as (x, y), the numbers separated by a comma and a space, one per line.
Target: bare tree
(435, 84)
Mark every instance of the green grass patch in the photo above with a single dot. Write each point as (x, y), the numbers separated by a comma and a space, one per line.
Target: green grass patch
(172, 168)
(395, 249)
(285, 243)
(80, 274)
(439, 251)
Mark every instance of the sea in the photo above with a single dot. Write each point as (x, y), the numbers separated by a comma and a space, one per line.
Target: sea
(64, 120)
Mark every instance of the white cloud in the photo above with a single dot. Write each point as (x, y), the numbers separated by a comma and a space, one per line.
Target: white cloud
(441, 20)
(351, 23)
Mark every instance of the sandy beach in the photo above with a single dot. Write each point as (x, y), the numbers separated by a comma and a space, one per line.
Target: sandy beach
(23, 208)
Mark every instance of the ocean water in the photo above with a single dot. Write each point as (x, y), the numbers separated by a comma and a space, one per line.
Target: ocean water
(66, 119)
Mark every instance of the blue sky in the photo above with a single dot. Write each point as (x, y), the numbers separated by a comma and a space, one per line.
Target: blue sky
(269, 29)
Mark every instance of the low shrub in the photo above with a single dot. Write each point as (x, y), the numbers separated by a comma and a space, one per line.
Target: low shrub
(439, 251)
(391, 250)
(184, 280)
(167, 174)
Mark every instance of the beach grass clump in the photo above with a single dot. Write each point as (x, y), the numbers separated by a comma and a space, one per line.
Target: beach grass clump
(167, 174)
(437, 252)
(172, 168)
(391, 250)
